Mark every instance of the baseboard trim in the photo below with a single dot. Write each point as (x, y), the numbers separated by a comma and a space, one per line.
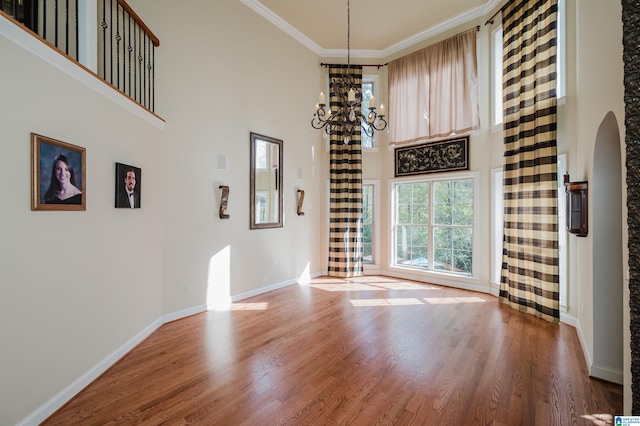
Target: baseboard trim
(262, 290)
(183, 313)
(608, 374)
(64, 396)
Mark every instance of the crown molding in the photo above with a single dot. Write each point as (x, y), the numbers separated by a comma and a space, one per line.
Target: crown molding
(457, 20)
(276, 20)
(433, 31)
(342, 53)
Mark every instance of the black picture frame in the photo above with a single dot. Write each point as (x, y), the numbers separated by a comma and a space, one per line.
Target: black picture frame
(433, 157)
(124, 174)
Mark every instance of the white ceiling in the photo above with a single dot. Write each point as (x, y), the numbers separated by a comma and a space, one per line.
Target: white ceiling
(378, 27)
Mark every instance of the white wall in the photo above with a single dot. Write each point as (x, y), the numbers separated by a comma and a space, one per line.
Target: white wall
(599, 89)
(607, 265)
(222, 72)
(77, 286)
(74, 286)
(232, 73)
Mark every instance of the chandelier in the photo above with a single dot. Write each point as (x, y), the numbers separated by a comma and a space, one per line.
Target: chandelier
(347, 99)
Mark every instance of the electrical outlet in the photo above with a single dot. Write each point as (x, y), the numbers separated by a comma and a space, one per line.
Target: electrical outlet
(187, 289)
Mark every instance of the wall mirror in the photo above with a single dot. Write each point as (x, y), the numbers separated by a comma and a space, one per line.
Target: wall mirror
(266, 182)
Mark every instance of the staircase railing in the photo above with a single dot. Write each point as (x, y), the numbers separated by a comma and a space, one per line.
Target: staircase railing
(105, 36)
(127, 47)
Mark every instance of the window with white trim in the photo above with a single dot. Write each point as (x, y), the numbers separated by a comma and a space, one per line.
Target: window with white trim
(433, 224)
(369, 87)
(368, 219)
(496, 63)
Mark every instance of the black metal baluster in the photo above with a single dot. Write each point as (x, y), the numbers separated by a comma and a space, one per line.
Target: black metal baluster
(44, 19)
(129, 48)
(135, 64)
(111, 39)
(56, 23)
(77, 35)
(153, 77)
(104, 39)
(124, 55)
(140, 69)
(118, 45)
(66, 23)
(144, 59)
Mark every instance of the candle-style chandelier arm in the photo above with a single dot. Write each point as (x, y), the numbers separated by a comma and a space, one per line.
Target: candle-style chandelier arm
(346, 98)
(347, 117)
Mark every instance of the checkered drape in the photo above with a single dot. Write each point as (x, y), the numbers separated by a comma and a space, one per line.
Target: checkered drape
(530, 278)
(345, 216)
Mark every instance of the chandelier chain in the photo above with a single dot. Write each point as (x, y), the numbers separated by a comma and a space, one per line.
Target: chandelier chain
(348, 34)
(347, 118)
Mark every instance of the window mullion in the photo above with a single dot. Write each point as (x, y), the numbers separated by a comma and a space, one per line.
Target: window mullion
(430, 227)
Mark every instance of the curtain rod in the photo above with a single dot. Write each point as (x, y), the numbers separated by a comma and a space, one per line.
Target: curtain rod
(490, 20)
(323, 64)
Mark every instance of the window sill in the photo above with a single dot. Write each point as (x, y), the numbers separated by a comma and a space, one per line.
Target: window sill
(445, 276)
(438, 278)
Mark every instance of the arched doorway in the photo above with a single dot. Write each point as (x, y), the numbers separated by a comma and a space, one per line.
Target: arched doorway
(608, 281)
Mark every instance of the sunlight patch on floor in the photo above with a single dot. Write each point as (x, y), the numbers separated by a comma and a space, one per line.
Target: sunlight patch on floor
(262, 306)
(599, 419)
(386, 302)
(347, 287)
(353, 286)
(452, 300)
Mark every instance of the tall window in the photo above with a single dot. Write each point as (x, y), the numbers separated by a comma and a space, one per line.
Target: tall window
(496, 64)
(367, 222)
(433, 225)
(368, 92)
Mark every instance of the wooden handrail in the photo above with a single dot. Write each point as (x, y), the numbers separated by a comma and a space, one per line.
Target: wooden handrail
(140, 22)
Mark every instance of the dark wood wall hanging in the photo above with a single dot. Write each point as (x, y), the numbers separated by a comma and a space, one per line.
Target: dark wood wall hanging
(433, 157)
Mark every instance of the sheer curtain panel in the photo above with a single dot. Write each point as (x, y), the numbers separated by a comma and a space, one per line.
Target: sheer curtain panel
(434, 92)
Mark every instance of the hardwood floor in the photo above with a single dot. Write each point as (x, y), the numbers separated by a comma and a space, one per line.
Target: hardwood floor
(364, 351)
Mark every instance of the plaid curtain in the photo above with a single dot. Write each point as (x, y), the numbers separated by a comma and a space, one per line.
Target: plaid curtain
(345, 214)
(530, 278)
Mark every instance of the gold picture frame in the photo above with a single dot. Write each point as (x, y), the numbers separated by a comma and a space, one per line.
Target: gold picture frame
(58, 175)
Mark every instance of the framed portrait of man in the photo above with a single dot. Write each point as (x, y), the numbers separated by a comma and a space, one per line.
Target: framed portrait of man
(128, 186)
(58, 178)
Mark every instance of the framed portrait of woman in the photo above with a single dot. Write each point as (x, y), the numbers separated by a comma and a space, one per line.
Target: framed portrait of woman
(58, 175)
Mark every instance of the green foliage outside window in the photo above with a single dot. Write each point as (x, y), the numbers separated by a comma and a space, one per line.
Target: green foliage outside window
(367, 222)
(451, 228)
(367, 93)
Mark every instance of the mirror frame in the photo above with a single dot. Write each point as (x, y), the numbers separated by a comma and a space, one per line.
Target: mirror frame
(252, 185)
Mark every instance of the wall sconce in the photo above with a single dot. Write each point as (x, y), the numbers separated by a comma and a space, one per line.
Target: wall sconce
(300, 201)
(577, 206)
(224, 199)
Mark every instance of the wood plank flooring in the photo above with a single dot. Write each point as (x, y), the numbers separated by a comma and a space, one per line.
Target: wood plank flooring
(366, 351)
